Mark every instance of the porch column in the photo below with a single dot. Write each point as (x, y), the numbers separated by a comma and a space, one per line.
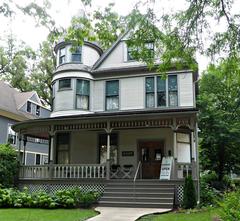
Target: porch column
(19, 148)
(51, 147)
(108, 156)
(175, 167)
(24, 149)
(193, 152)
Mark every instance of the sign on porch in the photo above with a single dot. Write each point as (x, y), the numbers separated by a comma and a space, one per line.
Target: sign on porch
(166, 168)
(127, 153)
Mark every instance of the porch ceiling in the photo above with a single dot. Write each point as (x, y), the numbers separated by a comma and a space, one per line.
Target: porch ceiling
(102, 120)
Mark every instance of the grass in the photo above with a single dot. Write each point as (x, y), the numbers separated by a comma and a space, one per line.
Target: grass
(46, 215)
(207, 215)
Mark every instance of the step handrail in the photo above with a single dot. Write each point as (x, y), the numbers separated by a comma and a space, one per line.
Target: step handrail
(136, 173)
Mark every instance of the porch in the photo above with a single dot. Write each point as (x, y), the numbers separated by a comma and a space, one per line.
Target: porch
(95, 150)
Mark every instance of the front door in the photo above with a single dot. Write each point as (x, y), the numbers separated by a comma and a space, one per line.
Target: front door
(151, 153)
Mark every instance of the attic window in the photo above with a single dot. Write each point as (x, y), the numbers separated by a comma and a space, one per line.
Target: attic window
(62, 55)
(76, 55)
(29, 107)
(38, 110)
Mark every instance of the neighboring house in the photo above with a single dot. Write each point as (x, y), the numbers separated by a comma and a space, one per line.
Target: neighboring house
(18, 106)
(113, 120)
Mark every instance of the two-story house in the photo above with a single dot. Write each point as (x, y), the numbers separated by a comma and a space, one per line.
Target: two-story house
(113, 122)
(18, 106)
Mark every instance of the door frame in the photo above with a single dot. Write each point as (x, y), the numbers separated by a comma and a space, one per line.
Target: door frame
(149, 140)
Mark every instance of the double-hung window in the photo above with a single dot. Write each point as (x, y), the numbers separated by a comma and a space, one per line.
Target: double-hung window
(150, 91)
(129, 54)
(82, 94)
(64, 84)
(77, 54)
(62, 55)
(161, 92)
(38, 110)
(172, 91)
(112, 95)
(150, 49)
(12, 136)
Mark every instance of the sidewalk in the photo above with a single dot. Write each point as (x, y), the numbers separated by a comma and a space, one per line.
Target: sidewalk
(123, 214)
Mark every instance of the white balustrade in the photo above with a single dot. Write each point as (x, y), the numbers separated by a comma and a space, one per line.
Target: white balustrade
(63, 171)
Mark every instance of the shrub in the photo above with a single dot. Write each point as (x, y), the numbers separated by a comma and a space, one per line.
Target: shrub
(230, 207)
(189, 194)
(8, 165)
(64, 198)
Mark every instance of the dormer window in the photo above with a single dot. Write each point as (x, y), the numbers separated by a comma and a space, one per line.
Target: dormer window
(129, 54)
(38, 110)
(82, 94)
(64, 84)
(62, 55)
(77, 55)
(29, 107)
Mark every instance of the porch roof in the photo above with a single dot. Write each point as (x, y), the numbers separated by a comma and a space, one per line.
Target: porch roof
(41, 127)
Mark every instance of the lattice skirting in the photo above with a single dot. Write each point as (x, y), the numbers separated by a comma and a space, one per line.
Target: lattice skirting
(179, 194)
(52, 188)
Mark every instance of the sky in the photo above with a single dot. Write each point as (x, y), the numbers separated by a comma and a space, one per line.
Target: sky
(63, 10)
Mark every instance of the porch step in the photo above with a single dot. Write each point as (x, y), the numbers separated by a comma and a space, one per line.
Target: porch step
(148, 194)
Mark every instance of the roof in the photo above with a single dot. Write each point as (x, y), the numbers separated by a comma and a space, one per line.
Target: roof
(12, 100)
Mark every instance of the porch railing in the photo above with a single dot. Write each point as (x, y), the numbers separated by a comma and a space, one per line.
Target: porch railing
(62, 171)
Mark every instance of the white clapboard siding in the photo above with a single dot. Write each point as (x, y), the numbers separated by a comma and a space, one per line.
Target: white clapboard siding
(117, 58)
(185, 89)
(131, 93)
(64, 100)
(98, 95)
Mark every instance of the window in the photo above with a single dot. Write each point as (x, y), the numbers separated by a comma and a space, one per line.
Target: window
(11, 138)
(112, 95)
(183, 148)
(62, 55)
(63, 144)
(103, 148)
(29, 107)
(129, 54)
(157, 94)
(76, 55)
(64, 84)
(82, 94)
(53, 94)
(150, 47)
(172, 91)
(38, 159)
(161, 92)
(150, 98)
(38, 110)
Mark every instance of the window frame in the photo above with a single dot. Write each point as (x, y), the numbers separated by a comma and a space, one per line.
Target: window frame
(37, 154)
(166, 92)
(146, 92)
(14, 135)
(78, 94)
(77, 53)
(111, 96)
(38, 110)
(176, 91)
(64, 88)
(62, 58)
(29, 106)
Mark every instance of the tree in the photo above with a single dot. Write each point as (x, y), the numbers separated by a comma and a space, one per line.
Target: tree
(219, 119)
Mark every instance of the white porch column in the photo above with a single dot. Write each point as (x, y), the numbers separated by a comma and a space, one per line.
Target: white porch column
(19, 147)
(24, 149)
(108, 146)
(51, 148)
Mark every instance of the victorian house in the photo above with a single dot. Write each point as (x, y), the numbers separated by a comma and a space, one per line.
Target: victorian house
(116, 127)
(18, 106)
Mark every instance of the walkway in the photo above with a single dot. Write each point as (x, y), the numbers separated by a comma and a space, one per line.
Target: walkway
(123, 214)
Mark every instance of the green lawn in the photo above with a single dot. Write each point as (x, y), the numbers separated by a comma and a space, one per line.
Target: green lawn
(45, 214)
(198, 216)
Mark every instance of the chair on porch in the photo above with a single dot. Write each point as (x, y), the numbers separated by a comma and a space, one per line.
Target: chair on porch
(115, 170)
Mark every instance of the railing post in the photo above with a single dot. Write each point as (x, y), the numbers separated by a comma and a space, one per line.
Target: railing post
(51, 170)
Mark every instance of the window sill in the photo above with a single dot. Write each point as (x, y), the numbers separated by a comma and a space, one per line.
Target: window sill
(64, 89)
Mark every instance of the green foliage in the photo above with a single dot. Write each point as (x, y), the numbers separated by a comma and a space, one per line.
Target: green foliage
(189, 194)
(219, 119)
(64, 198)
(8, 165)
(230, 206)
